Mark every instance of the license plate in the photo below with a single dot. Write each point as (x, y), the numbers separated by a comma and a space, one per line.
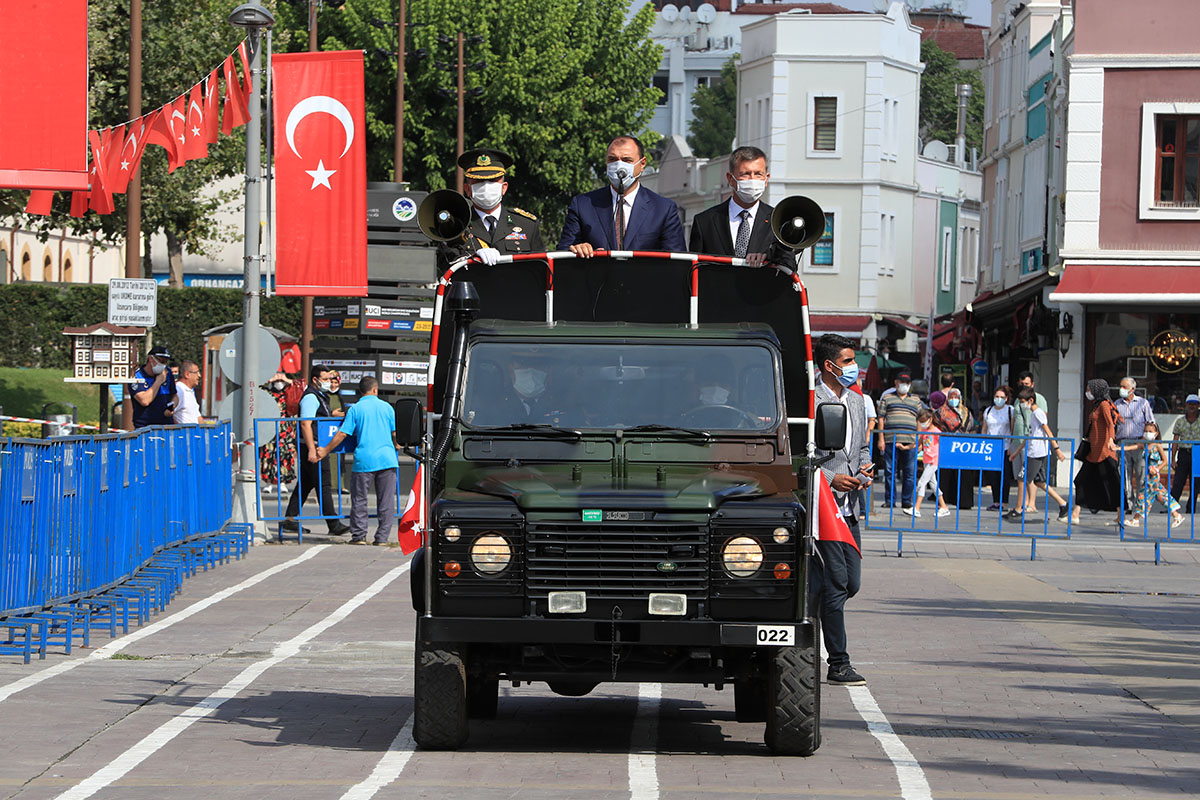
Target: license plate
(776, 635)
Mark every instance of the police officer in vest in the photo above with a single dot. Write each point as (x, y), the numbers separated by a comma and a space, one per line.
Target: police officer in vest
(496, 229)
(316, 474)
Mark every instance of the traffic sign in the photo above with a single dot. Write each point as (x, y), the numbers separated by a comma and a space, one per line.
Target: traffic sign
(133, 302)
(230, 356)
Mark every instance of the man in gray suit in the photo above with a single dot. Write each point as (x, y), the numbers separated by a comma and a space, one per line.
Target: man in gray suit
(839, 574)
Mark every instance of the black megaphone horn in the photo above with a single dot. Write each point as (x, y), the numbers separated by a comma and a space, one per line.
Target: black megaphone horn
(797, 222)
(444, 215)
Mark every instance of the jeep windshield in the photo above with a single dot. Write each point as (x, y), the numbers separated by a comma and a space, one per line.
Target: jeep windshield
(651, 387)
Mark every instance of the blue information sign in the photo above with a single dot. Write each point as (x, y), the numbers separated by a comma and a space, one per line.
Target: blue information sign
(327, 429)
(970, 452)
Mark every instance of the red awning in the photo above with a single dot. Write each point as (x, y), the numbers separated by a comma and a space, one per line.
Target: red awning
(1128, 283)
(836, 323)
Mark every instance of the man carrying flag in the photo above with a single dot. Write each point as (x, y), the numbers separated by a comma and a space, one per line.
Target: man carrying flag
(838, 575)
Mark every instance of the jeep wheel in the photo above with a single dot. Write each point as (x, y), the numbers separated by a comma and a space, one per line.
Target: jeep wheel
(482, 697)
(439, 698)
(794, 700)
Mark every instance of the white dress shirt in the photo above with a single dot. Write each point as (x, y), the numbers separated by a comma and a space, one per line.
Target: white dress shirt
(495, 215)
(735, 217)
(627, 205)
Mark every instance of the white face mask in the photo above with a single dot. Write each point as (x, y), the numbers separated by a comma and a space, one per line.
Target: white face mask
(1150, 435)
(713, 395)
(1123, 392)
(1089, 395)
(278, 385)
(620, 174)
(325, 386)
(487, 195)
(157, 369)
(529, 382)
(903, 388)
(750, 189)
(999, 401)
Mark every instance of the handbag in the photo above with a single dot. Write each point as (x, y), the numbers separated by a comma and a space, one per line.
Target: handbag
(1084, 449)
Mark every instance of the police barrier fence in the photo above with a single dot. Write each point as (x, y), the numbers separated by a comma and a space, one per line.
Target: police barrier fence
(283, 463)
(87, 524)
(941, 477)
(1157, 473)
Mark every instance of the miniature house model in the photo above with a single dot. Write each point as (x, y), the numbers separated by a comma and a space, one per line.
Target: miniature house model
(104, 353)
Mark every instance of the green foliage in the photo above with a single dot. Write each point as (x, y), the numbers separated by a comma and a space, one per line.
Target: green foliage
(558, 81)
(714, 114)
(37, 314)
(23, 392)
(20, 430)
(939, 103)
(181, 41)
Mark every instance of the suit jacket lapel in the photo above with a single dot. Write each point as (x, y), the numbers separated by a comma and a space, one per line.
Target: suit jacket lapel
(724, 235)
(603, 206)
(760, 235)
(641, 202)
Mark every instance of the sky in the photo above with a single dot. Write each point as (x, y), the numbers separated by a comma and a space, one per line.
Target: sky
(977, 10)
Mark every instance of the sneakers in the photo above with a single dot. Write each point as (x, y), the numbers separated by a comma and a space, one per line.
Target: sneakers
(943, 512)
(357, 541)
(339, 530)
(844, 675)
(912, 512)
(1064, 513)
(994, 507)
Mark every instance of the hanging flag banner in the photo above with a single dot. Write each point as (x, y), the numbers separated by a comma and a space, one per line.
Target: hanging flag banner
(43, 94)
(320, 174)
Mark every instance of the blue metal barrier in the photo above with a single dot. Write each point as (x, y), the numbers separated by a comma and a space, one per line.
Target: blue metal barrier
(968, 463)
(94, 527)
(1157, 472)
(275, 437)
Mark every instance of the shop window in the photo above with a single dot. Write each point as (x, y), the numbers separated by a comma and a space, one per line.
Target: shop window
(1161, 350)
(1169, 174)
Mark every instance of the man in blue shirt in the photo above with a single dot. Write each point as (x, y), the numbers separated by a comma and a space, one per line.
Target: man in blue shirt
(314, 474)
(153, 390)
(373, 423)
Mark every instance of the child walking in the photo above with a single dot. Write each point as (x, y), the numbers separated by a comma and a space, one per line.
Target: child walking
(1154, 488)
(1029, 462)
(928, 442)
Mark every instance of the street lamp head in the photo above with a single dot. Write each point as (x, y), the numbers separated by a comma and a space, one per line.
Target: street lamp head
(251, 15)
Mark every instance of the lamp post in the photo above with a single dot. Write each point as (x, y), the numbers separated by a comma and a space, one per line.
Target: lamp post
(254, 18)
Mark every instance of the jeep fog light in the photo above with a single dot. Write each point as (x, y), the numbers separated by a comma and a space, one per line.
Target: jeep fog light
(673, 605)
(452, 533)
(491, 553)
(781, 535)
(567, 602)
(742, 556)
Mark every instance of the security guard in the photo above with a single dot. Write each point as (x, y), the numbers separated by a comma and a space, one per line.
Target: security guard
(496, 229)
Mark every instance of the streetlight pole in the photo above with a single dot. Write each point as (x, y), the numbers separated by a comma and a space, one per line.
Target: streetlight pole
(253, 18)
(461, 108)
(133, 204)
(306, 317)
(401, 30)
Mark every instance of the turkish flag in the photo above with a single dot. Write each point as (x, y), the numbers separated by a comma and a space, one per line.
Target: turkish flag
(320, 174)
(831, 526)
(195, 144)
(79, 202)
(41, 201)
(236, 110)
(409, 529)
(212, 108)
(125, 164)
(100, 198)
(163, 133)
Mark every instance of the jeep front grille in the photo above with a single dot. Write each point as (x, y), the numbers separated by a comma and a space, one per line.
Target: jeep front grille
(616, 561)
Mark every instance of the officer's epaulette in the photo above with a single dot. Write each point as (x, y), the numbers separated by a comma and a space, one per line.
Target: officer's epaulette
(523, 213)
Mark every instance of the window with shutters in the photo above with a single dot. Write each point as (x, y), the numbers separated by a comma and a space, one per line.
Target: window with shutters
(1169, 173)
(824, 136)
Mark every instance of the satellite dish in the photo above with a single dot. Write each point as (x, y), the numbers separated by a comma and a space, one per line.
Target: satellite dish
(670, 12)
(706, 13)
(685, 14)
(881, 6)
(936, 150)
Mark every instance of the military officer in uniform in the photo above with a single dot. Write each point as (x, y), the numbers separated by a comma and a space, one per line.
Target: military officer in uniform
(496, 229)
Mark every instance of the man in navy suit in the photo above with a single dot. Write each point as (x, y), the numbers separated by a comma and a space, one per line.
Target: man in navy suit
(741, 226)
(647, 221)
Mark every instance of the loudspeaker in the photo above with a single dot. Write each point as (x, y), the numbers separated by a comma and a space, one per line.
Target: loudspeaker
(797, 222)
(444, 215)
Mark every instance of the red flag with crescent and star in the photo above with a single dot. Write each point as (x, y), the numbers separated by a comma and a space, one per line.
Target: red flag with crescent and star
(212, 108)
(831, 525)
(123, 168)
(165, 133)
(236, 108)
(320, 174)
(195, 141)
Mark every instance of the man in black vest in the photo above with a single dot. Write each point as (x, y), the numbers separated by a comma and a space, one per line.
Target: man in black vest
(740, 226)
(314, 403)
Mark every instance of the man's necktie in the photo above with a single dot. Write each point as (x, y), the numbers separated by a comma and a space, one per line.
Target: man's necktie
(619, 221)
(743, 236)
(490, 223)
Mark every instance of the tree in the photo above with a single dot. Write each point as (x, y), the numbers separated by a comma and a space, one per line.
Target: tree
(714, 114)
(939, 102)
(181, 41)
(553, 82)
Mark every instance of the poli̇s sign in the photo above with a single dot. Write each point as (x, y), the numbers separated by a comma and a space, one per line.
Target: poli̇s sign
(970, 452)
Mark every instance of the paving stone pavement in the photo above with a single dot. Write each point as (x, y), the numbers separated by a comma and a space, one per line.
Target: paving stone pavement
(1073, 676)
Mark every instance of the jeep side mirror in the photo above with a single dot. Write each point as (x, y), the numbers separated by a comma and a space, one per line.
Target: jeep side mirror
(831, 426)
(410, 422)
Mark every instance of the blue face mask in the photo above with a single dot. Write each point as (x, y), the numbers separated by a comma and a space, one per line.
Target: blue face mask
(953, 401)
(849, 375)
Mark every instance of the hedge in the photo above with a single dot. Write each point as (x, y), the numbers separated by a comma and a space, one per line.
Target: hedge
(21, 430)
(35, 315)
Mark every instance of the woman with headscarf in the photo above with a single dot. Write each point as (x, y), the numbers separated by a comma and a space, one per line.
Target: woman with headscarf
(1098, 482)
(958, 486)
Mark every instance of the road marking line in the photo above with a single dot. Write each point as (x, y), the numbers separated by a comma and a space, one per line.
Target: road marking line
(913, 784)
(117, 645)
(389, 767)
(643, 742)
(156, 740)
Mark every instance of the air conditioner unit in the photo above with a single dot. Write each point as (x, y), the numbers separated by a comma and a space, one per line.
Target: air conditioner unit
(695, 42)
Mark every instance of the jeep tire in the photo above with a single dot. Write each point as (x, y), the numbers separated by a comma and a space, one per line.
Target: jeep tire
(794, 700)
(440, 697)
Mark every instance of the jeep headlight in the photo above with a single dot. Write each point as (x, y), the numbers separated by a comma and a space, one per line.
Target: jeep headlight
(742, 556)
(491, 553)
